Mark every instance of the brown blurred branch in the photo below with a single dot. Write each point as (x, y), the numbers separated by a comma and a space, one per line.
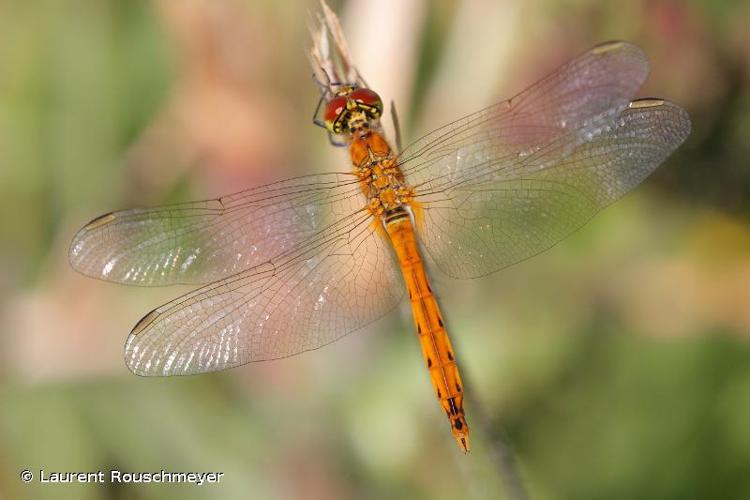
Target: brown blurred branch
(500, 450)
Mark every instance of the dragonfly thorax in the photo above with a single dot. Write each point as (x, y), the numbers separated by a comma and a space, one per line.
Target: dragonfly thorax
(381, 178)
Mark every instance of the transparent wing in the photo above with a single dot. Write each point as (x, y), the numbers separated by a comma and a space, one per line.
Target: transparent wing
(200, 242)
(528, 204)
(512, 180)
(606, 77)
(339, 281)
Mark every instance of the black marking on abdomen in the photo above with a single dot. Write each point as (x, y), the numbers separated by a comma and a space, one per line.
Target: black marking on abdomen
(396, 214)
(454, 408)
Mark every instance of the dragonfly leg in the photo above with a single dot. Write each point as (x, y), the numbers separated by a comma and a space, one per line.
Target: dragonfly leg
(325, 91)
(315, 119)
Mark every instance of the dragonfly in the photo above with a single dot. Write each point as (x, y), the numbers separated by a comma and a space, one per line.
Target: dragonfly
(297, 264)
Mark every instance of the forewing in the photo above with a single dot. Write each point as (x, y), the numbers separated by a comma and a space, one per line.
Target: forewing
(518, 205)
(200, 242)
(604, 78)
(341, 280)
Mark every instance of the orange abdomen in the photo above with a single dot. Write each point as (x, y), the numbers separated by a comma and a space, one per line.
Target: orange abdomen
(436, 345)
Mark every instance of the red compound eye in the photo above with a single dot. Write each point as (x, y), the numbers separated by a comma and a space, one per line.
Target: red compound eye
(334, 109)
(368, 100)
(337, 110)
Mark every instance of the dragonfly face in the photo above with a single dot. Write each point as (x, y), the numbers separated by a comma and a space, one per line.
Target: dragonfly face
(351, 107)
(292, 266)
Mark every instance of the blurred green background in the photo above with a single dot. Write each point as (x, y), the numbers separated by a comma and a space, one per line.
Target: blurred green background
(617, 364)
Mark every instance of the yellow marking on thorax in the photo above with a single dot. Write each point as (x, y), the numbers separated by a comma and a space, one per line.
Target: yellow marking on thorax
(380, 177)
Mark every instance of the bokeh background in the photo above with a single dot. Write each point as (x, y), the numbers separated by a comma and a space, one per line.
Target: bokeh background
(617, 364)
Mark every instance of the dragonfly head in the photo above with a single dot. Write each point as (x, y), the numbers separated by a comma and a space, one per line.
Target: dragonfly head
(349, 105)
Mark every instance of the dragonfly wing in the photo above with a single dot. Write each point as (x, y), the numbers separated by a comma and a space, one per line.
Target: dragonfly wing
(604, 78)
(508, 182)
(339, 281)
(200, 242)
(519, 205)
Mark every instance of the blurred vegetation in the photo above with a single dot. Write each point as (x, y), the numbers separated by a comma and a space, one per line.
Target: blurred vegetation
(617, 364)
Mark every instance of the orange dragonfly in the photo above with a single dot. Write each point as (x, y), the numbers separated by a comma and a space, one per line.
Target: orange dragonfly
(297, 264)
